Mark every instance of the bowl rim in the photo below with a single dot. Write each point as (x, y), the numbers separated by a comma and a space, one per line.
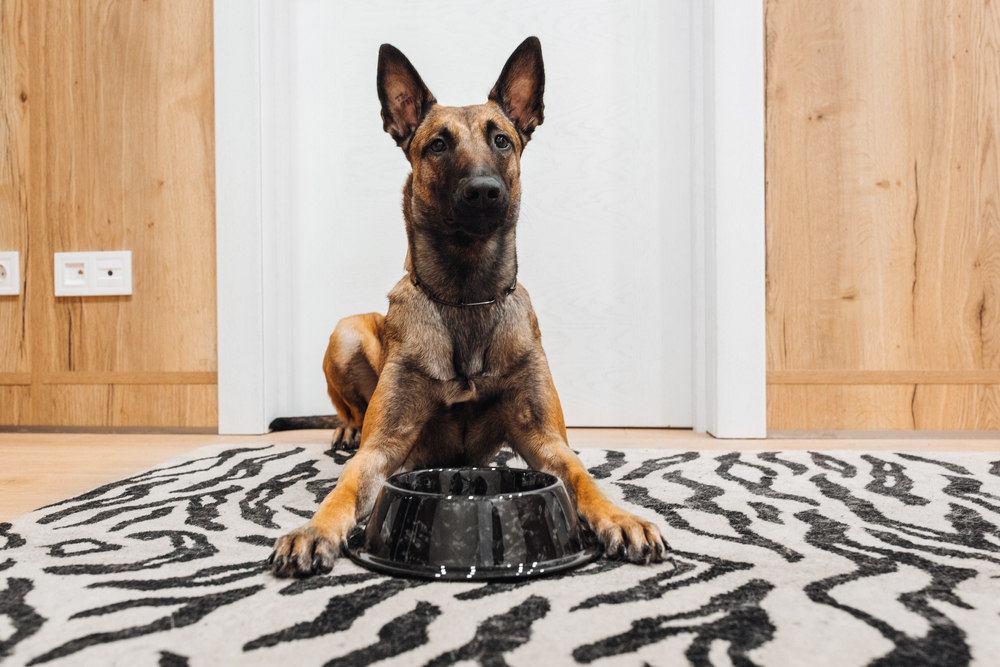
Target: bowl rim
(388, 483)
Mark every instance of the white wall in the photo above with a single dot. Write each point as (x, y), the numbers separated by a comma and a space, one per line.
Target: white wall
(659, 263)
(604, 237)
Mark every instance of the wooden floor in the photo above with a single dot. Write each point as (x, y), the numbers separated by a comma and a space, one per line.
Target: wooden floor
(37, 469)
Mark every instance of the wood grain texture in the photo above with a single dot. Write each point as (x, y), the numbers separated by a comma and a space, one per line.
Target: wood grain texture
(13, 176)
(125, 405)
(15, 403)
(124, 113)
(883, 377)
(91, 377)
(883, 209)
(99, 377)
(114, 146)
(877, 407)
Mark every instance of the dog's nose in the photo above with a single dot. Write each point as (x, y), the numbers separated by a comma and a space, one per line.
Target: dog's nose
(482, 193)
(485, 190)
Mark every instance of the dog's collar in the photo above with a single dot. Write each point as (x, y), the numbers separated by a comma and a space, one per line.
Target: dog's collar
(415, 281)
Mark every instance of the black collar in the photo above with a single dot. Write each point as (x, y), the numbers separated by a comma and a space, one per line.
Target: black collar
(415, 280)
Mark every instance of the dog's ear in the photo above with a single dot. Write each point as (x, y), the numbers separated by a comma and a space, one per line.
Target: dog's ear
(404, 97)
(519, 89)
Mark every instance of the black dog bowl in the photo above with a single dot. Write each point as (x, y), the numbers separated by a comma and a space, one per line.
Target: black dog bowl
(471, 524)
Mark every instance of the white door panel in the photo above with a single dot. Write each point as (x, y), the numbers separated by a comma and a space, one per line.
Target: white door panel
(604, 240)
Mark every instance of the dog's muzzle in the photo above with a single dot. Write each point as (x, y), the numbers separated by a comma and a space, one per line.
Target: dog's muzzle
(480, 198)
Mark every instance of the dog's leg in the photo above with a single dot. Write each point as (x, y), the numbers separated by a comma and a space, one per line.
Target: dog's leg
(623, 535)
(351, 365)
(313, 547)
(538, 435)
(392, 424)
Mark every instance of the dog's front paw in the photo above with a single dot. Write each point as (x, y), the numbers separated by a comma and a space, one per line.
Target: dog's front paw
(627, 537)
(305, 551)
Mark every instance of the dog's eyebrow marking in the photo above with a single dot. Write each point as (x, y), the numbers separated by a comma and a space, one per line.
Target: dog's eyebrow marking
(442, 133)
(493, 126)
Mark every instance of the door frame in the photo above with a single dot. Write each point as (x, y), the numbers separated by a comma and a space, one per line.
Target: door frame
(252, 86)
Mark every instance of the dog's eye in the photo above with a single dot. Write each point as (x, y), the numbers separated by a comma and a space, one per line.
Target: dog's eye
(438, 145)
(501, 141)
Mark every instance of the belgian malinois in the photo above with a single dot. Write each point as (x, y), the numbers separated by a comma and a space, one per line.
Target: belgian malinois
(455, 370)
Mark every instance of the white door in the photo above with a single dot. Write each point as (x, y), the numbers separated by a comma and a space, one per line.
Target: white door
(604, 240)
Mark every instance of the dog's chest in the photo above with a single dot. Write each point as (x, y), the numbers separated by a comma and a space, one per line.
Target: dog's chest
(470, 365)
(468, 357)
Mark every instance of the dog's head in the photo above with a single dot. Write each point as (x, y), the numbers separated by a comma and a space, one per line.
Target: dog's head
(465, 160)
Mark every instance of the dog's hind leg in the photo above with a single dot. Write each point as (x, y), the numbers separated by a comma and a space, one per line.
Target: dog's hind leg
(352, 365)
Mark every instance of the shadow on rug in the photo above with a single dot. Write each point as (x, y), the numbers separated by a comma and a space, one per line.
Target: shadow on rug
(779, 558)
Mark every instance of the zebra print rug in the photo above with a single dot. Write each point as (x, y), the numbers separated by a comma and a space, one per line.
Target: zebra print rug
(779, 558)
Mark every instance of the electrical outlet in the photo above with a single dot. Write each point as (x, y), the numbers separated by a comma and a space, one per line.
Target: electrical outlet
(10, 273)
(93, 273)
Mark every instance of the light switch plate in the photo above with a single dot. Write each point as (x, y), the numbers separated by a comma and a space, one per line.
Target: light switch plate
(10, 273)
(93, 273)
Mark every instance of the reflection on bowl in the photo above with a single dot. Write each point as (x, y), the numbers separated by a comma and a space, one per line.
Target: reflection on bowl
(472, 523)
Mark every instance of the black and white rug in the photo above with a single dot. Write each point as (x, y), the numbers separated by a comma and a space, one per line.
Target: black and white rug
(779, 558)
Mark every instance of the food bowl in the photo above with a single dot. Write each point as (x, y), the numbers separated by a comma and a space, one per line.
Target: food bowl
(472, 524)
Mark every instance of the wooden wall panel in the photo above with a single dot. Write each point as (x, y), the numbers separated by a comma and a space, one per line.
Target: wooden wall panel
(165, 405)
(880, 407)
(118, 155)
(13, 178)
(883, 212)
(126, 405)
(15, 403)
(76, 405)
(123, 112)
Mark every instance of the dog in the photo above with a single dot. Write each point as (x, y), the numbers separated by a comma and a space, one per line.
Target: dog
(455, 369)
